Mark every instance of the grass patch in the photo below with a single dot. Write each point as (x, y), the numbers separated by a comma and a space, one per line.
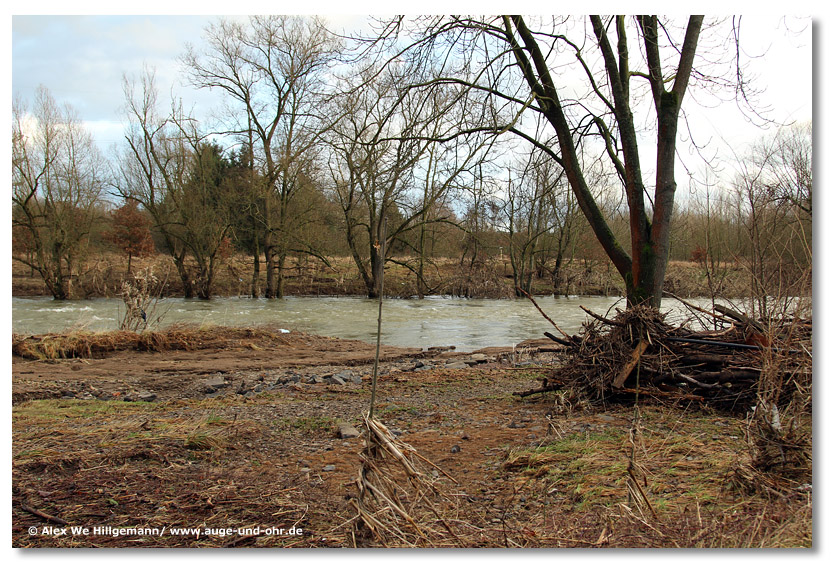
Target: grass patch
(684, 465)
(307, 424)
(88, 433)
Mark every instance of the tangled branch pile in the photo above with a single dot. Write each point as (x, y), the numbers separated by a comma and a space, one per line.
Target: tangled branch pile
(640, 352)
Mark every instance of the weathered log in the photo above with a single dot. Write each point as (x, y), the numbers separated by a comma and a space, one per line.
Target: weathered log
(726, 375)
(619, 381)
(720, 343)
(703, 358)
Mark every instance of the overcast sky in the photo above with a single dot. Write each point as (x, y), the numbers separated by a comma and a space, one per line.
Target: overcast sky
(81, 60)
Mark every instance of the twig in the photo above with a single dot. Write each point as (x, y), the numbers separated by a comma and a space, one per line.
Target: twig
(599, 317)
(540, 310)
(43, 515)
(696, 308)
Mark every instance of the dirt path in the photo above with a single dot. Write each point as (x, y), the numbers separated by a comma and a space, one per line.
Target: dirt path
(179, 373)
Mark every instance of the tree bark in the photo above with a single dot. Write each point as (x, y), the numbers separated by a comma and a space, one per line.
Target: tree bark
(256, 274)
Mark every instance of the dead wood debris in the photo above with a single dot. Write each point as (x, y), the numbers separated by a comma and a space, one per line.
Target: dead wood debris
(639, 352)
(398, 502)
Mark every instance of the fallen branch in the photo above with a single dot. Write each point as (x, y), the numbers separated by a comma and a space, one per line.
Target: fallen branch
(732, 345)
(554, 338)
(741, 318)
(696, 308)
(599, 317)
(552, 322)
(43, 515)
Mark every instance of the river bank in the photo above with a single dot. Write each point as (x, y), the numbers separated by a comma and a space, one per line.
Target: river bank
(491, 279)
(247, 430)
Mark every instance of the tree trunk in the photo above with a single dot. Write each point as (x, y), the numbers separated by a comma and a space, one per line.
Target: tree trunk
(377, 266)
(270, 272)
(556, 273)
(256, 274)
(58, 288)
(420, 267)
(280, 275)
(205, 282)
(644, 270)
(184, 277)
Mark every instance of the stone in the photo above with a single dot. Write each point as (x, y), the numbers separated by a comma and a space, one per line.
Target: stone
(145, 396)
(335, 380)
(346, 430)
(329, 468)
(350, 376)
(455, 449)
(476, 358)
(456, 365)
(213, 383)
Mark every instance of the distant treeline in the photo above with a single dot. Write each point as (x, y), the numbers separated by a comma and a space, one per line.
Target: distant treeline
(389, 161)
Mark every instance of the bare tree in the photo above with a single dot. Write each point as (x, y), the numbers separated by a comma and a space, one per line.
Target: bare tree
(543, 220)
(773, 193)
(274, 71)
(582, 78)
(390, 170)
(177, 177)
(789, 156)
(57, 182)
(526, 218)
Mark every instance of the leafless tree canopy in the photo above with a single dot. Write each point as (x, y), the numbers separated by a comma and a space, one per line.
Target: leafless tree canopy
(57, 182)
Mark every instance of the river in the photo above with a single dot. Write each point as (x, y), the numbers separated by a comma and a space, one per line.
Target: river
(467, 324)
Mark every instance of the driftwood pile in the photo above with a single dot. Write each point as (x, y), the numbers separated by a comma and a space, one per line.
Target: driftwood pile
(638, 352)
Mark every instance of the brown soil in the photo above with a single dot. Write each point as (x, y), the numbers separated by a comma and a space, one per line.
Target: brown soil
(179, 373)
(262, 453)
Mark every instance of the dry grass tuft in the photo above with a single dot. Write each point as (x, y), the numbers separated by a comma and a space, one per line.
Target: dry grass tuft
(397, 503)
(86, 344)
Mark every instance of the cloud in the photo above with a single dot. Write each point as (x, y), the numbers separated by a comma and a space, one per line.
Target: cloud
(81, 60)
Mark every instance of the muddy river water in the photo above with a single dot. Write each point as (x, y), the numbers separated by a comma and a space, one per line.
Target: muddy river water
(467, 324)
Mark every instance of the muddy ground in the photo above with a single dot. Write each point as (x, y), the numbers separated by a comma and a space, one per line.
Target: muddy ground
(239, 442)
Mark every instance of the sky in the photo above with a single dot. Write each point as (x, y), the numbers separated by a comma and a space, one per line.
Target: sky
(81, 60)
